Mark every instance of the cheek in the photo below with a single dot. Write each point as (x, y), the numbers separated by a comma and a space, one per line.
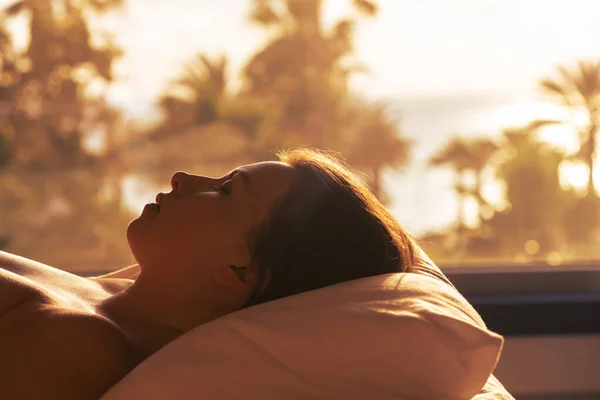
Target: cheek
(203, 223)
(204, 234)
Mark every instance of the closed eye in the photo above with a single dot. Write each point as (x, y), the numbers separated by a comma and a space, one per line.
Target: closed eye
(225, 188)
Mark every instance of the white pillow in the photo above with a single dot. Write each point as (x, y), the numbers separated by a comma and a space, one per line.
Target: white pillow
(393, 336)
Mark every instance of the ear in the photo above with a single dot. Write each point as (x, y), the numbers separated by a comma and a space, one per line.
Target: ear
(238, 279)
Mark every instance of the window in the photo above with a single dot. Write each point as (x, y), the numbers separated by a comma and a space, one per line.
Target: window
(475, 121)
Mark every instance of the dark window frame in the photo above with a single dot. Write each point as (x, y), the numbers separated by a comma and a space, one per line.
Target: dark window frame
(533, 300)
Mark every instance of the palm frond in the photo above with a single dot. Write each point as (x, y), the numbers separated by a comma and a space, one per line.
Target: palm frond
(378, 143)
(542, 123)
(575, 87)
(369, 8)
(263, 14)
(204, 77)
(453, 153)
(586, 81)
(343, 30)
(557, 90)
(14, 8)
(481, 150)
(102, 6)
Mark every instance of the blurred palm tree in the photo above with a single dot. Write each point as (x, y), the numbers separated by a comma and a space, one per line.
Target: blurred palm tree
(467, 155)
(481, 151)
(200, 96)
(303, 74)
(53, 186)
(303, 15)
(61, 59)
(377, 145)
(578, 88)
(205, 81)
(538, 207)
(303, 71)
(456, 154)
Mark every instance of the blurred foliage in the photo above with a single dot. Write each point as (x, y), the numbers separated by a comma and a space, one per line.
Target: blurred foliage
(466, 156)
(54, 201)
(579, 89)
(536, 206)
(61, 200)
(540, 221)
(375, 144)
(294, 93)
(302, 76)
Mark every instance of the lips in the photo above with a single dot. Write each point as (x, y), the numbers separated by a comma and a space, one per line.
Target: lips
(156, 206)
(153, 207)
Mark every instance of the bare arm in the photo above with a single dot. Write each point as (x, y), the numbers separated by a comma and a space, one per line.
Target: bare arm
(24, 266)
(62, 357)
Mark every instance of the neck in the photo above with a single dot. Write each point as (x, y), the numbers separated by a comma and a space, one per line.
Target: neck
(153, 315)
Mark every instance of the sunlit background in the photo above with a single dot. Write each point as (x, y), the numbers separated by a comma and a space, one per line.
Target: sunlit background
(466, 87)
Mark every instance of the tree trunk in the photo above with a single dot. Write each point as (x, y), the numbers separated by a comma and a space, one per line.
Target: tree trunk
(480, 202)
(590, 155)
(460, 233)
(460, 215)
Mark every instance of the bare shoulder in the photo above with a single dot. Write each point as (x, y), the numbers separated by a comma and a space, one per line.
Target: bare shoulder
(63, 355)
(20, 265)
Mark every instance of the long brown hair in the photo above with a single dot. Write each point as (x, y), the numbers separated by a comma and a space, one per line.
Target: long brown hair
(329, 228)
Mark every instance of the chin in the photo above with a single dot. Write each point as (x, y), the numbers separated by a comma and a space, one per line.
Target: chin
(143, 243)
(135, 233)
(132, 228)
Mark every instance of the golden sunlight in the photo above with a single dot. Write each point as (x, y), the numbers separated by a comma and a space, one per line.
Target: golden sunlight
(522, 113)
(564, 136)
(137, 193)
(574, 175)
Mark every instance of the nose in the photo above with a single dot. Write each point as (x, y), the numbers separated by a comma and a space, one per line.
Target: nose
(183, 183)
(178, 180)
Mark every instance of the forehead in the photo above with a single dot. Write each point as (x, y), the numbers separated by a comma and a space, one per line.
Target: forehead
(269, 170)
(268, 182)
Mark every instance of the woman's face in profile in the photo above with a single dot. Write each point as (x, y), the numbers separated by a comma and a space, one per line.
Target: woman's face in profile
(203, 223)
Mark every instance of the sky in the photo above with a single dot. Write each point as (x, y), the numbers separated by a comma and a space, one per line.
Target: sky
(413, 48)
(444, 66)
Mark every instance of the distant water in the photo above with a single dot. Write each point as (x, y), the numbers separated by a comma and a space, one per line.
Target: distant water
(422, 198)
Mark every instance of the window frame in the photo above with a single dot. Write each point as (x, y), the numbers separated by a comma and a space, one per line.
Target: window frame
(533, 299)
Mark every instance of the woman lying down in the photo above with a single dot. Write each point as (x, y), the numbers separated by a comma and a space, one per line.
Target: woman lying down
(207, 248)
